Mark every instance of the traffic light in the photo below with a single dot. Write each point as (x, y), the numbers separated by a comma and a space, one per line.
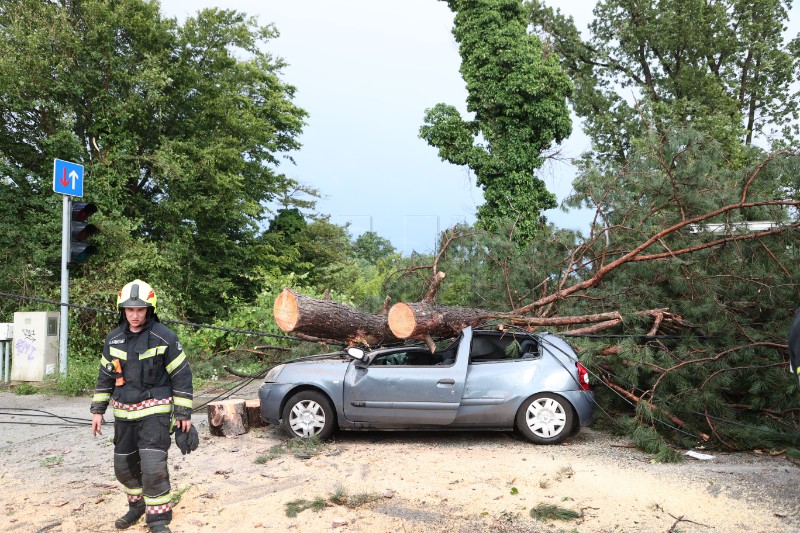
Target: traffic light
(80, 230)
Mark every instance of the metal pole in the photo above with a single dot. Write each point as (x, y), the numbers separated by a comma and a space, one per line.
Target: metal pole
(7, 360)
(65, 238)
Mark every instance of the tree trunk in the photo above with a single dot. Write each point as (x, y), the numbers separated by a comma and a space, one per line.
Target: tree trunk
(227, 418)
(327, 320)
(421, 319)
(253, 410)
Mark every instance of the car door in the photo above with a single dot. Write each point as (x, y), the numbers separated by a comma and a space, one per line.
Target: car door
(406, 396)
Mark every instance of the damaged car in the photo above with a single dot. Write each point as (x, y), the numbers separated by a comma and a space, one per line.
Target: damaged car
(483, 380)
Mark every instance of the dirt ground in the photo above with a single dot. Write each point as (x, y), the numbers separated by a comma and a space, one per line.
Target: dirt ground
(58, 478)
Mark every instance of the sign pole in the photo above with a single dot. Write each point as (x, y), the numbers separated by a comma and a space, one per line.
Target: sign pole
(67, 180)
(65, 241)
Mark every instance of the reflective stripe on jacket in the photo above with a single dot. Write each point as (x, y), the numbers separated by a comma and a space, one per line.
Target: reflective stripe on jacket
(155, 369)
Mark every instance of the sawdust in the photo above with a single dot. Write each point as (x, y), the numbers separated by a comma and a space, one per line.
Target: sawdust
(63, 481)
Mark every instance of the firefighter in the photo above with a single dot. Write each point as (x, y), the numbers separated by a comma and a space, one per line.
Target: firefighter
(145, 376)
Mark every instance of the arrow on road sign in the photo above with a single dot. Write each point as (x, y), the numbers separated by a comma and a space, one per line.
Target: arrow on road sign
(67, 178)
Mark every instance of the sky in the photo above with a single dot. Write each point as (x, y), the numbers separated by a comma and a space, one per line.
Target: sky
(366, 71)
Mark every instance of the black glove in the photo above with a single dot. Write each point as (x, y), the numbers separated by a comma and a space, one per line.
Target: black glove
(186, 441)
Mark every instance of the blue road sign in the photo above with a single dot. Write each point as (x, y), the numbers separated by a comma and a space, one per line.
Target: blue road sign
(67, 178)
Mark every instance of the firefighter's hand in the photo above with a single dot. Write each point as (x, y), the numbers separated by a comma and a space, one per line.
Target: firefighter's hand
(97, 424)
(185, 425)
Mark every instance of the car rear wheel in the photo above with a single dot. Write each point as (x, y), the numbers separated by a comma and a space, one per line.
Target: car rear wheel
(545, 418)
(308, 414)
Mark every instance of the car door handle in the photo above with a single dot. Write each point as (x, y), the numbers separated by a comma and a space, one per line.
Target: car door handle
(447, 381)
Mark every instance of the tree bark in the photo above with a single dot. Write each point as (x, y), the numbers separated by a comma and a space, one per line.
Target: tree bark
(421, 319)
(253, 410)
(327, 320)
(227, 418)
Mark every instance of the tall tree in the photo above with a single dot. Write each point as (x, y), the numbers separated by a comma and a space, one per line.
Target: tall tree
(181, 129)
(720, 66)
(517, 94)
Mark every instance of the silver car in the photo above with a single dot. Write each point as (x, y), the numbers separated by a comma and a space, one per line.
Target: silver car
(486, 379)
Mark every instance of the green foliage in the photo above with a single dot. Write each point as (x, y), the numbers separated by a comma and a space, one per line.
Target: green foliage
(146, 106)
(517, 94)
(652, 442)
(177, 495)
(372, 248)
(81, 377)
(722, 369)
(338, 497)
(720, 67)
(547, 511)
(295, 507)
(274, 452)
(25, 389)
(305, 448)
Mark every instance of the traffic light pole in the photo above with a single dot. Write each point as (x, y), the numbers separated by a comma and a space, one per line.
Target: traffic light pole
(65, 253)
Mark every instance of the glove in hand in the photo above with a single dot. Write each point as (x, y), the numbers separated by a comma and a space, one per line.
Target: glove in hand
(186, 441)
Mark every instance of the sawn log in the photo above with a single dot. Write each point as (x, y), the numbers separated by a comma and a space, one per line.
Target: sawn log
(421, 319)
(328, 320)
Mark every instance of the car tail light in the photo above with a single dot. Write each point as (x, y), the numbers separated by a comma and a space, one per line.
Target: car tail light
(583, 376)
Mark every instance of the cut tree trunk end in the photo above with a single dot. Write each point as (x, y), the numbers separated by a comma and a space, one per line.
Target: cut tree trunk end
(324, 319)
(421, 319)
(228, 418)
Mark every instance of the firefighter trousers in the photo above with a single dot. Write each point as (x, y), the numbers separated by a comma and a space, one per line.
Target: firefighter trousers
(140, 464)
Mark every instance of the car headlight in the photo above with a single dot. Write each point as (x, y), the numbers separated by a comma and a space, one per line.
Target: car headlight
(272, 375)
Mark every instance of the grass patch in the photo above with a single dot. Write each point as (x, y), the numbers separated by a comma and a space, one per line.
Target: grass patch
(362, 498)
(564, 472)
(177, 495)
(53, 460)
(300, 448)
(25, 389)
(80, 378)
(294, 507)
(546, 511)
(273, 453)
(338, 497)
(305, 448)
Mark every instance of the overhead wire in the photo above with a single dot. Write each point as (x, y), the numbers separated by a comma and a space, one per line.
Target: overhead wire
(68, 421)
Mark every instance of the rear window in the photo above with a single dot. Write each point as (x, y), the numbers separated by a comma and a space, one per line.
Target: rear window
(500, 347)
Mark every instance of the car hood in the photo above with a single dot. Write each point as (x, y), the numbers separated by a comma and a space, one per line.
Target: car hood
(314, 369)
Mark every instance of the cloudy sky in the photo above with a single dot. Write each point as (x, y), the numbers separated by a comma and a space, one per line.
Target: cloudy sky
(366, 71)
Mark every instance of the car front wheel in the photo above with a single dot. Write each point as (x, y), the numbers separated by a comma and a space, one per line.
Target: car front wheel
(308, 414)
(545, 418)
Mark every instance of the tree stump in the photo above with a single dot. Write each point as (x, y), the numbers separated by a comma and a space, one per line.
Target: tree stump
(228, 418)
(253, 410)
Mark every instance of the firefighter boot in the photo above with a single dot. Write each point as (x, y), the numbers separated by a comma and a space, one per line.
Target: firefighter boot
(135, 512)
(159, 528)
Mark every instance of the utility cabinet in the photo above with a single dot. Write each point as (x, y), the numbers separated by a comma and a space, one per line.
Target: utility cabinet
(6, 331)
(35, 345)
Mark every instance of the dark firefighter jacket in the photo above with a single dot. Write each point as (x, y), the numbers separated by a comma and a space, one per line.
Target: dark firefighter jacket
(158, 379)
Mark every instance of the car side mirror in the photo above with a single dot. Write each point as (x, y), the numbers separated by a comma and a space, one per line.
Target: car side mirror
(356, 353)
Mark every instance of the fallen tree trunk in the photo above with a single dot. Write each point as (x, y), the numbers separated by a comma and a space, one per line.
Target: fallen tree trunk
(426, 319)
(328, 320)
